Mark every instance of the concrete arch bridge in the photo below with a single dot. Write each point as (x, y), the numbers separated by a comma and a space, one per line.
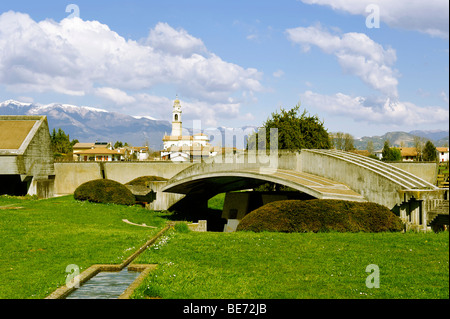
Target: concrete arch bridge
(323, 174)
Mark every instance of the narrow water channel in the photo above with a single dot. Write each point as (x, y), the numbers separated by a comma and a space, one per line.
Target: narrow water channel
(105, 285)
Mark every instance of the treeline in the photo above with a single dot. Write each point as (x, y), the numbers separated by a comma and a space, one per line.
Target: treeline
(61, 143)
(426, 152)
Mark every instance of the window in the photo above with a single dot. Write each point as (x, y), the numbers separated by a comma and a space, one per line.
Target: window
(176, 117)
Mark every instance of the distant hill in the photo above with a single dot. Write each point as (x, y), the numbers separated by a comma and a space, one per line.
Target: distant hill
(438, 137)
(88, 124)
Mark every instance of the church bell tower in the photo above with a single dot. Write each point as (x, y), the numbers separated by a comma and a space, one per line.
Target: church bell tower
(176, 118)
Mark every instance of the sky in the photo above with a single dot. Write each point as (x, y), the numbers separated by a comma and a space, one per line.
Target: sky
(364, 67)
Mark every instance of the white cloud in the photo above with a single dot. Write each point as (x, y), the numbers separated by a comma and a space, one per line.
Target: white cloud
(117, 96)
(356, 53)
(278, 73)
(444, 96)
(77, 57)
(179, 42)
(376, 111)
(430, 17)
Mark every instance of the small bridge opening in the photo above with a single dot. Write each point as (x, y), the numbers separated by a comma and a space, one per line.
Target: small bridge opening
(224, 201)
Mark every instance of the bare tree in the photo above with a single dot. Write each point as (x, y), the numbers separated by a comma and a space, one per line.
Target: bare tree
(419, 145)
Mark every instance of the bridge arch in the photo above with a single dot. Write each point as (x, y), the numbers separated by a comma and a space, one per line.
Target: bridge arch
(211, 183)
(322, 174)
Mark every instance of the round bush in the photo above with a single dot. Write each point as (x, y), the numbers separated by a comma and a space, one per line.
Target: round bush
(144, 180)
(320, 215)
(104, 191)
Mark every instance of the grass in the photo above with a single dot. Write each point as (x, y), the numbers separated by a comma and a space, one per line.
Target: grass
(216, 202)
(298, 265)
(41, 238)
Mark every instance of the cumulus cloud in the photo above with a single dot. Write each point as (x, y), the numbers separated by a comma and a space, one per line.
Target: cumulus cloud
(278, 73)
(376, 110)
(77, 57)
(356, 53)
(178, 42)
(117, 96)
(430, 17)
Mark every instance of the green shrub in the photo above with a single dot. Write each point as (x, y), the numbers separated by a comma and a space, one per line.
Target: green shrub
(144, 180)
(104, 191)
(320, 215)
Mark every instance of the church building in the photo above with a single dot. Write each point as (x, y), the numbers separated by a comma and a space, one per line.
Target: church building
(184, 148)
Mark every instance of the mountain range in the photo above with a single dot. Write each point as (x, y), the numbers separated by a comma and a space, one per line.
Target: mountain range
(405, 139)
(88, 124)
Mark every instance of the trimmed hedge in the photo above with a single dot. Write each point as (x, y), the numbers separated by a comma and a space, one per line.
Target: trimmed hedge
(321, 215)
(104, 191)
(144, 180)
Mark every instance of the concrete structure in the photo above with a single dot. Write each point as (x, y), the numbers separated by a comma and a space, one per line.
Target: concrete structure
(315, 173)
(322, 174)
(71, 175)
(26, 156)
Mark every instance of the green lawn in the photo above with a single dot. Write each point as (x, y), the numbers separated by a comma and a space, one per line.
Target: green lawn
(40, 239)
(299, 265)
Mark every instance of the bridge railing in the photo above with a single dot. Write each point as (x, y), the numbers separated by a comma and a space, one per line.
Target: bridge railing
(397, 175)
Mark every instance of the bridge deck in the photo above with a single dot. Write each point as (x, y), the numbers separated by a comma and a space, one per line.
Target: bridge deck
(226, 180)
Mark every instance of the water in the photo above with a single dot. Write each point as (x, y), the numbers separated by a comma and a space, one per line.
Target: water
(105, 285)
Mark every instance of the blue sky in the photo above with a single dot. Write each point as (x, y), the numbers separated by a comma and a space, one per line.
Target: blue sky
(233, 63)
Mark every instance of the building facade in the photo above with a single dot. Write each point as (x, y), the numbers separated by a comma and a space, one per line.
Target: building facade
(183, 148)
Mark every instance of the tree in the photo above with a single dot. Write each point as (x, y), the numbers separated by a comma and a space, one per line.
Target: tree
(61, 142)
(391, 154)
(348, 142)
(429, 152)
(370, 147)
(386, 152)
(343, 141)
(396, 155)
(294, 132)
(419, 144)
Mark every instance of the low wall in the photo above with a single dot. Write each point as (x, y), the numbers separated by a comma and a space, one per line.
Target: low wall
(124, 172)
(68, 176)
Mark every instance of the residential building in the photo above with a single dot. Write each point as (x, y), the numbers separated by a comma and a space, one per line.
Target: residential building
(409, 154)
(442, 154)
(140, 153)
(101, 154)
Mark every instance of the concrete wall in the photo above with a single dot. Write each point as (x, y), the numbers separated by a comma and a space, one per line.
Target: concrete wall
(426, 171)
(68, 176)
(163, 200)
(124, 172)
(71, 175)
(373, 186)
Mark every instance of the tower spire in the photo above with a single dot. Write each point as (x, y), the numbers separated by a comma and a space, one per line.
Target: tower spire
(176, 118)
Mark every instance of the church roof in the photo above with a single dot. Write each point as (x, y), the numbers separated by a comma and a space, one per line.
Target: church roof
(177, 138)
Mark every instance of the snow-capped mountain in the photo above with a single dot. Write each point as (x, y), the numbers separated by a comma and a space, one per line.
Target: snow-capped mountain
(88, 124)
